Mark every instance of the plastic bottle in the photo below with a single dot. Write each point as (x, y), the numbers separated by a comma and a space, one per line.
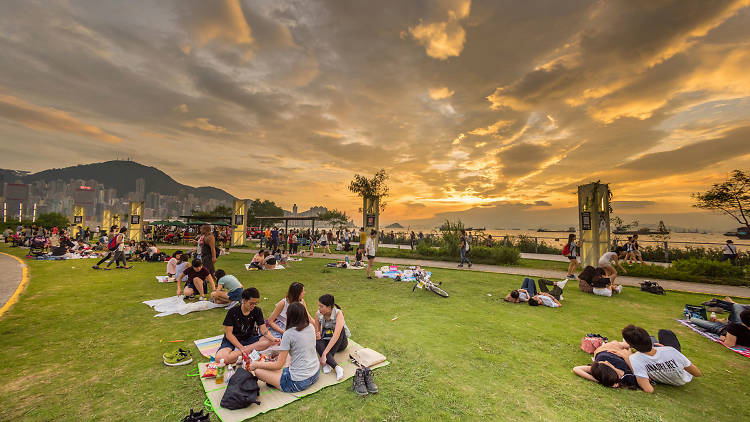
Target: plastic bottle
(713, 316)
(347, 260)
(220, 372)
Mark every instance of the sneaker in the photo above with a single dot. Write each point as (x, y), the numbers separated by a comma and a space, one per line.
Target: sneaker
(96, 267)
(358, 383)
(369, 383)
(339, 372)
(178, 358)
(326, 369)
(561, 298)
(561, 284)
(619, 289)
(460, 265)
(201, 299)
(469, 264)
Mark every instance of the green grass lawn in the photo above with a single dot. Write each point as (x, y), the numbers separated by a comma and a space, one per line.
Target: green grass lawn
(80, 346)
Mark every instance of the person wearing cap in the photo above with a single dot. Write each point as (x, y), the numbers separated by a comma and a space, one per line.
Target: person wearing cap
(730, 252)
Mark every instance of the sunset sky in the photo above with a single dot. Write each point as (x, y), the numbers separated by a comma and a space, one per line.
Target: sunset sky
(499, 106)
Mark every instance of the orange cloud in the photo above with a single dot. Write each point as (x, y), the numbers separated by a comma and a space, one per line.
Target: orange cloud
(220, 21)
(441, 93)
(491, 129)
(203, 124)
(443, 39)
(49, 119)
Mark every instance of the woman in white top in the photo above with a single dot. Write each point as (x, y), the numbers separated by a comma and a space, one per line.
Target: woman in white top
(278, 319)
(370, 251)
(298, 345)
(606, 261)
(324, 242)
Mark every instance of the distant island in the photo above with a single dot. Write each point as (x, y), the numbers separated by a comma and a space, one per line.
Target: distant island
(394, 226)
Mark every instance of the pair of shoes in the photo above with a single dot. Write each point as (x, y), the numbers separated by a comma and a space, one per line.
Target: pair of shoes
(363, 382)
(460, 265)
(197, 417)
(178, 358)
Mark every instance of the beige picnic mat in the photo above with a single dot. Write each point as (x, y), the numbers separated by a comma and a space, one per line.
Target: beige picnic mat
(271, 398)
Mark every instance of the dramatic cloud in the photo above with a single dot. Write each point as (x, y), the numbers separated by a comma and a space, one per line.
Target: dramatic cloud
(505, 107)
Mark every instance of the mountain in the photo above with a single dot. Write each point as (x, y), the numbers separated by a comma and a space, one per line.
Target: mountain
(120, 175)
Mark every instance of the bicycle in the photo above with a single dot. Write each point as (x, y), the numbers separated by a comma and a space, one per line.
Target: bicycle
(423, 282)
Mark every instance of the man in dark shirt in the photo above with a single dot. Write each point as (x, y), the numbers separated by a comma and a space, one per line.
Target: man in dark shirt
(244, 329)
(197, 278)
(736, 331)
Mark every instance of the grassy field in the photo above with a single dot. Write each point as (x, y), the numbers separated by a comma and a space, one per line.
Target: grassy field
(80, 346)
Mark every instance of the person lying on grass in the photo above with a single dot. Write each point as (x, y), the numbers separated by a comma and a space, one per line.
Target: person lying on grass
(609, 368)
(661, 362)
(547, 298)
(229, 289)
(734, 332)
(606, 261)
(198, 279)
(297, 345)
(244, 329)
(277, 322)
(332, 334)
(527, 290)
(269, 261)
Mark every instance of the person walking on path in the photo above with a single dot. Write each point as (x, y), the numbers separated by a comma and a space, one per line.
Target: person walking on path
(112, 234)
(208, 249)
(370, 251)
(729, 252)
(120, 252)
(324, 242)
(572, 255)
(464, 249)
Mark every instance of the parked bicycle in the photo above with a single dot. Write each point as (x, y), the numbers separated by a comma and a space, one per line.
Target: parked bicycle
(424, 282)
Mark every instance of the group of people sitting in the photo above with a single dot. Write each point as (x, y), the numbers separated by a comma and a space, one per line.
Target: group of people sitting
(654, 360)
(307, 343)
(265, 259)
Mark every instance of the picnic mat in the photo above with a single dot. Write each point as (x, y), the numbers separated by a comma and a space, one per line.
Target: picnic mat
(278, 267)
(271, 398)
(209, 346)
(164, 279)
(176, 305)
(744, 351)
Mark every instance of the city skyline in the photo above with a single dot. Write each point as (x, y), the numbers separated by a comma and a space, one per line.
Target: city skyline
(475, 109)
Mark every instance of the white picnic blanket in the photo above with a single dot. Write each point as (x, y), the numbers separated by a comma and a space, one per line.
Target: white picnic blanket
(164, 279)
(176, 305)
(278, 267)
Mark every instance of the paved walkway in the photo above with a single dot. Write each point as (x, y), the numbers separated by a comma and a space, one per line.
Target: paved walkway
(710, 289)
(11, 275)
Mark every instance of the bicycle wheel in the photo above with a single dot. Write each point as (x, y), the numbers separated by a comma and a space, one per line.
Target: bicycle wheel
(438, 291)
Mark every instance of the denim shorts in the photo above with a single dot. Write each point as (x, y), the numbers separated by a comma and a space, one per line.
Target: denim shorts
(289, 386)
(226, 343)
(236, 294)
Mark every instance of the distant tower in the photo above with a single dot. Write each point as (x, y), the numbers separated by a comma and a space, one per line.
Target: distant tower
(140, 188)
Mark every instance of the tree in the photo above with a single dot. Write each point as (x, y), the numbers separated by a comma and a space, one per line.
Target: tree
(336, 218)
(371, 188)
(263, 208)
(52, 219)
(731, 197)
(223, 210)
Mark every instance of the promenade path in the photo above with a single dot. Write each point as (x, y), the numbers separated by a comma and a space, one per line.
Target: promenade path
(11, 275)
(709, 289)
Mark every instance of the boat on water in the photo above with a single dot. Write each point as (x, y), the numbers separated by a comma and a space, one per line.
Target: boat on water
(742, 233)
(644, 231)
(570, 230)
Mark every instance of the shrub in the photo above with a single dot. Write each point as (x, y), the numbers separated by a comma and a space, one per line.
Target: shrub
(708, 268)
(422, 248)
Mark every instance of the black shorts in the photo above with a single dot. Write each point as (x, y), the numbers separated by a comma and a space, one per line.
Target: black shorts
(572, 258)
(370, 256)
(192, 286)
(324, 243)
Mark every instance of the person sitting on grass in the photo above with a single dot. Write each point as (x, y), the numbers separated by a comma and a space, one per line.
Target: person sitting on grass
(332, 334)
(244, 329)
(734, 332)
(258, 259)
(172, 264)
(527, 290)
(297, 346)
(663, 364)
(269, 261)
(547, 298)
(229, 288)
(359, 257)
(278, 319)
(182, 264)
(605, 263)
(197, 278)
(609, 368)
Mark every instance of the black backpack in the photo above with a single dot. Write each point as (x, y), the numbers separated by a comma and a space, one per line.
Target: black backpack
(652, 287)
(242, 390)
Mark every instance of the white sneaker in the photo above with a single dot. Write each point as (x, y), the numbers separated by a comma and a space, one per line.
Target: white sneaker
(561, 284)
(339, 373)
(326, 369)
(619, 288)
(561, 297)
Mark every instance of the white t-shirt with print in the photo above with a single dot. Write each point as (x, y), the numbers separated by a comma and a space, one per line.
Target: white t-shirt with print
(548, 301)
(666, 366)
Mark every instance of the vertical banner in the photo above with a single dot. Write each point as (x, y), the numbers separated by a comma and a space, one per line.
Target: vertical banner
(79, 216)
(106, 220)
(239, 223)
(593, 219)
(135, 231)
(5, 212)
(371, 215)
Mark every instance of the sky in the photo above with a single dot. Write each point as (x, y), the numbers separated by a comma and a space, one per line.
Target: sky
(477, 110)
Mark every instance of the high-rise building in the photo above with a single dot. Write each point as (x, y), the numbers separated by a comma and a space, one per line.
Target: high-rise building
(140, 188)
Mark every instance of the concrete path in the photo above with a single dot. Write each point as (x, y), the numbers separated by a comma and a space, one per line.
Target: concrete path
(710, 289)
(11, 275)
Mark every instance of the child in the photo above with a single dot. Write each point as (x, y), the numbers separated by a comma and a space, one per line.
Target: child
(182, 264)
(172, 264)
(359, 257)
